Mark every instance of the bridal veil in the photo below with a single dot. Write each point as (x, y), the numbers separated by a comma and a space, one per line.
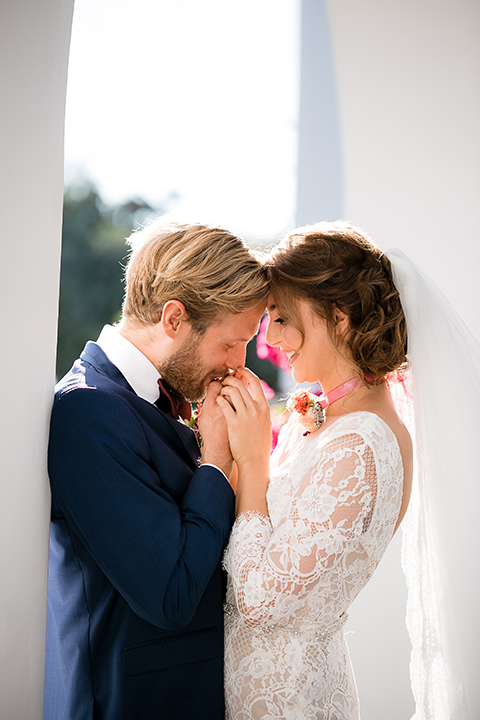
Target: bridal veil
(441, 531)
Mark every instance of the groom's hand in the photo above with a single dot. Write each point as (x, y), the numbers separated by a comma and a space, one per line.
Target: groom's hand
(213, 429)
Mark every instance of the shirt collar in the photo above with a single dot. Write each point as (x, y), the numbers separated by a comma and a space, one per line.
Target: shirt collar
(135, 367)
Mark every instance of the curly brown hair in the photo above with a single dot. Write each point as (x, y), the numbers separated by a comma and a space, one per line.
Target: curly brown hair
(335, 265)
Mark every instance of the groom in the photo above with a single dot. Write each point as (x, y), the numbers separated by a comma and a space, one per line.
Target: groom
(139, 518)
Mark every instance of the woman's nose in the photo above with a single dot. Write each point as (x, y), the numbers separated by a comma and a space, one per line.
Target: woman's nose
(272, 335)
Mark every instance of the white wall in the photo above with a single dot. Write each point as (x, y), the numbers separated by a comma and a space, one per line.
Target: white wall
(409, 104)
(34, 41)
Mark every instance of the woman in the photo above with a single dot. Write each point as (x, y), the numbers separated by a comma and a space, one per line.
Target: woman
(313, 524)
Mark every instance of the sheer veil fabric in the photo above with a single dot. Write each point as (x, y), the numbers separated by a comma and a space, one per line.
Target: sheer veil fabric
(442, 528)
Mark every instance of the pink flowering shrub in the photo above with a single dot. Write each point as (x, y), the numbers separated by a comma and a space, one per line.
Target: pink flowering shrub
(266, 352)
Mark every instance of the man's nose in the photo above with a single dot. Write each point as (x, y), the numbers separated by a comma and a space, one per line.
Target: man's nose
(237, 355)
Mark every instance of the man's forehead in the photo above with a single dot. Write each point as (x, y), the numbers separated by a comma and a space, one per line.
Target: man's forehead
(240, 327)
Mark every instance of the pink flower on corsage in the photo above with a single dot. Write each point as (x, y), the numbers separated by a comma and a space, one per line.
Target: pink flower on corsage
(307, 405)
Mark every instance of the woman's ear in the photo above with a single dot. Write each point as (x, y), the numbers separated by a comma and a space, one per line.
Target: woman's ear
(174, 316)
(342, 321)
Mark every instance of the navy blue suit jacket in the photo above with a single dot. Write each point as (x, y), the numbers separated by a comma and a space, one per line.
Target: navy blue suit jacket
(135, 625)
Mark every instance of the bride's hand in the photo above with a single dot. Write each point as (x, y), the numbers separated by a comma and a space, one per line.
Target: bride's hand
(247, 413)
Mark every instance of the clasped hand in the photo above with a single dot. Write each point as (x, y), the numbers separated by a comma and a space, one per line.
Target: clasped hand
(248, 418)
(213, 429)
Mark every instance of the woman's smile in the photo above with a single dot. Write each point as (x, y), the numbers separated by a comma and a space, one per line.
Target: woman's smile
(292, 356)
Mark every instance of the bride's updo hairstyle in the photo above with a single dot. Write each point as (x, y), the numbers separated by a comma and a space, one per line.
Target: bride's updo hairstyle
(335, 265)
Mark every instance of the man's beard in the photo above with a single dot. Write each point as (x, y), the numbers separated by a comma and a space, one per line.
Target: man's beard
(181, 372)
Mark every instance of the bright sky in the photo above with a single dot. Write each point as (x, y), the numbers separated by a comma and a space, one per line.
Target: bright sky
(194, 98)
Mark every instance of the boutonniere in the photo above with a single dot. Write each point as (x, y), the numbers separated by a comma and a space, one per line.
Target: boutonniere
(307, 405)
(193, 423)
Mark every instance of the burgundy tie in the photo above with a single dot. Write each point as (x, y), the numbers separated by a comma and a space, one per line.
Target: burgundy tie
(172, 403)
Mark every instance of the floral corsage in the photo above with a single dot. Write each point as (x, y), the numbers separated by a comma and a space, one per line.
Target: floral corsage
(307, 405)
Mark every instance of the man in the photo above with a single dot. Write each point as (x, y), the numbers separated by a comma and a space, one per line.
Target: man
(139, 519)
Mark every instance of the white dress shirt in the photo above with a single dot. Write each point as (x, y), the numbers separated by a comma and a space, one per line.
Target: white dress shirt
(135, 367)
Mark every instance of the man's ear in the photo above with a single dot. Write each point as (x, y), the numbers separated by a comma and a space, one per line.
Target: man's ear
(174, 317)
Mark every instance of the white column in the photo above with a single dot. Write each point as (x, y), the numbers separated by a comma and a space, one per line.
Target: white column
(34, 43)
(319, 178)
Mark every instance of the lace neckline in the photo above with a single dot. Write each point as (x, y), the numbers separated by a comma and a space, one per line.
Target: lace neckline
(303, 442)
(337, 418)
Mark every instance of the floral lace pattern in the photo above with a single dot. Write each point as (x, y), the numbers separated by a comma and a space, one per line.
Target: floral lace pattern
(334, 499)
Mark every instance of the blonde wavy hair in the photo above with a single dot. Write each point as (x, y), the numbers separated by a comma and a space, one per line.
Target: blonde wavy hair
(209, 270)
(336, 265)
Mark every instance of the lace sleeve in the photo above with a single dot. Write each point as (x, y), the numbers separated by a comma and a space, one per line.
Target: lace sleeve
(272, 569)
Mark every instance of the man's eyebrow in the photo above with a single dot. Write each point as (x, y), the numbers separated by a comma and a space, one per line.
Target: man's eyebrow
(249, 339)
(233, 341)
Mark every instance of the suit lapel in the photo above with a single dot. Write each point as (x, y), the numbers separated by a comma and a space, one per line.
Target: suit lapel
(184, 434)
(180, 436)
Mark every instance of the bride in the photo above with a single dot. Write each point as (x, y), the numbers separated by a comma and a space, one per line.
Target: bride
(314, 520)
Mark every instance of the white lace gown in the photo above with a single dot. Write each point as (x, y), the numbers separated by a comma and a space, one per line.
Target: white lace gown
(334, 498)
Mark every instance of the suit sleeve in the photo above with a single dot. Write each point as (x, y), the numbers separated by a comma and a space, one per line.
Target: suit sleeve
(159, 553)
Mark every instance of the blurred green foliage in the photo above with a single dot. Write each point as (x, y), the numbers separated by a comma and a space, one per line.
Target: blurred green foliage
(93, 255)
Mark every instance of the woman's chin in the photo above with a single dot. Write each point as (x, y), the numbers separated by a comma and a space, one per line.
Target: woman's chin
(298, 376)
